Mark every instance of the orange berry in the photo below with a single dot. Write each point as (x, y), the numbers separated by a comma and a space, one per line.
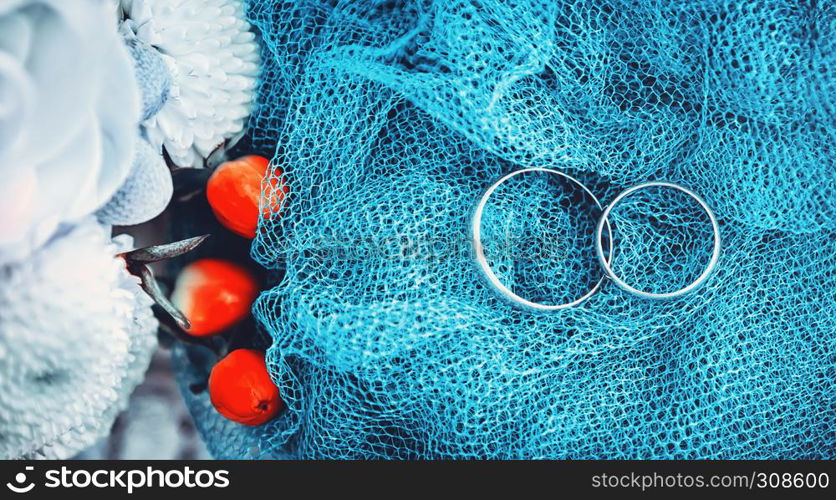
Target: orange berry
(214, 295)
(234, 190)
(241, 390)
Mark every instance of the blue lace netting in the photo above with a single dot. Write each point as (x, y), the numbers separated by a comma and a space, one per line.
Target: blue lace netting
(390, 119)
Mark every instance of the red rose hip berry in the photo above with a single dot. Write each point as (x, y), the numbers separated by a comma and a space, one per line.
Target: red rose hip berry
(241, 390)
(234, 191)
(214, 295)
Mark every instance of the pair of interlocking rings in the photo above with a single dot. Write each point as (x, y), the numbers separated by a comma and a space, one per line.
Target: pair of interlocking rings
(599, 246)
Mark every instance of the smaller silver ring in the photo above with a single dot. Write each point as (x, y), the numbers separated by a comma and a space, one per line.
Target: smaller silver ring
(476, 231)
(712, 264)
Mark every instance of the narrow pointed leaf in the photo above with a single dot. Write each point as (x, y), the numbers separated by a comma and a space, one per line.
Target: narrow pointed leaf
(166, 251)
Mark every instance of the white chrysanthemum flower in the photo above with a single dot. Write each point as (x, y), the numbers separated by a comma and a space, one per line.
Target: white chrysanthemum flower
(213, 59)
(69, 109)
(76, 336)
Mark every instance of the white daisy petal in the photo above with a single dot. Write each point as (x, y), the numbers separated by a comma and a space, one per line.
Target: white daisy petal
(214, 61)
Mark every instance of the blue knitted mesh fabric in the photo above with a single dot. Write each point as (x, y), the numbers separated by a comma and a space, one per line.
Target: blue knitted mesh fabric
(389, 121)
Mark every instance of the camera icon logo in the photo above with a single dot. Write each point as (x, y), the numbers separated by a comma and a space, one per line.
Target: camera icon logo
(20, 479)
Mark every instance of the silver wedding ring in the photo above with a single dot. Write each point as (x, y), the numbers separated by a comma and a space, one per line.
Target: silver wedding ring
(605, 263)
(476, 231)
(603, 259)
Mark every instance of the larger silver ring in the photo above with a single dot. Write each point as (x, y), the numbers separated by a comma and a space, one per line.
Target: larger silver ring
(476, 231)
(715, 255)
